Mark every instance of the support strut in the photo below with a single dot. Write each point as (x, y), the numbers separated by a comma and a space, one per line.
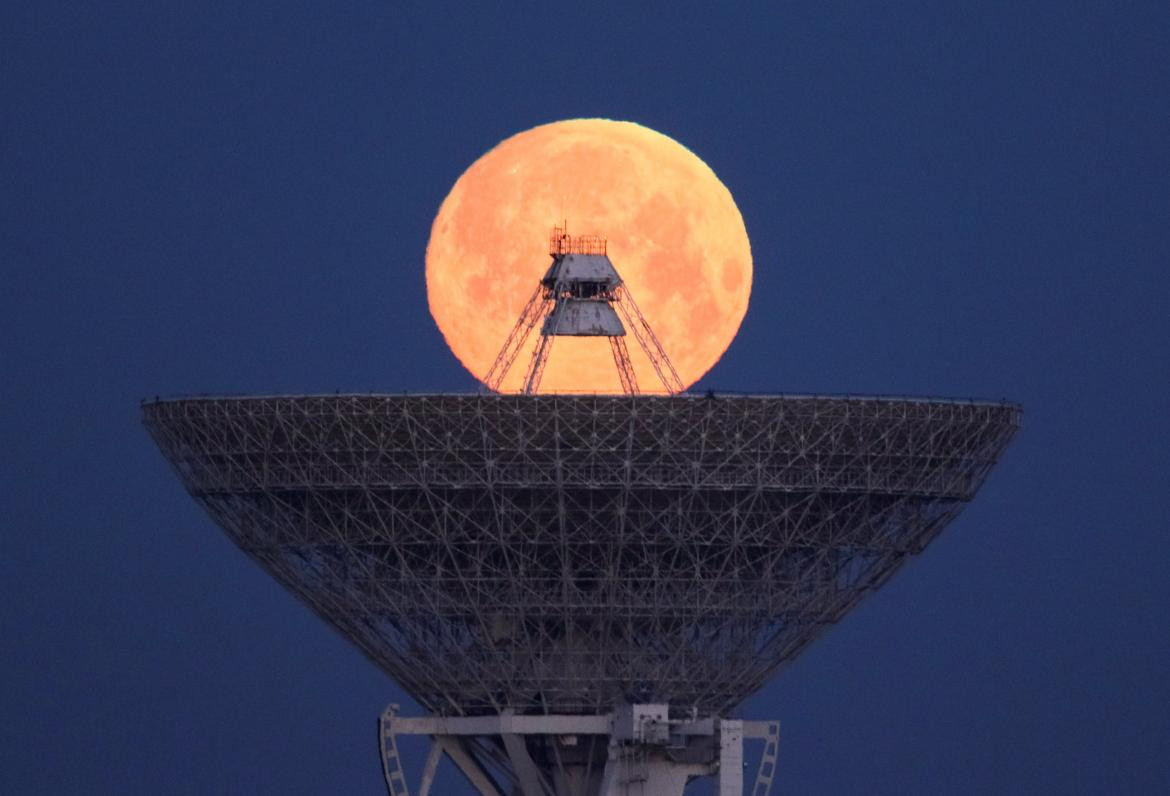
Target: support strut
(648, 340)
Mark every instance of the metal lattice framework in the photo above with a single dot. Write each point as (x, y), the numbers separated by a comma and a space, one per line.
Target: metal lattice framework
(568, 553)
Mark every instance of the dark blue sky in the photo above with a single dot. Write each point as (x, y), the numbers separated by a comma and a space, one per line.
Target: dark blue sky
(198, 197)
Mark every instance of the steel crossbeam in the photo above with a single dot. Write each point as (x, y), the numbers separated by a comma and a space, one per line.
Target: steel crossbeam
(634, 749)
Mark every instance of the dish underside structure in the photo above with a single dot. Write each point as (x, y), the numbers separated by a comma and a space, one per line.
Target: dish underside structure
(579, 590)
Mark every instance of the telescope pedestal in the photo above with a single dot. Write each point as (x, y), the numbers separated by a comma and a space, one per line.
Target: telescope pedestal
(637, 750)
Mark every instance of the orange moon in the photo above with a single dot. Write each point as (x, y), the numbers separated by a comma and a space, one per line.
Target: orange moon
(675, 237)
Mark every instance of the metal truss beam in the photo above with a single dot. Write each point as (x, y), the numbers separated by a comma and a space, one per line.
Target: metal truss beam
(636, 323)
(533, 313)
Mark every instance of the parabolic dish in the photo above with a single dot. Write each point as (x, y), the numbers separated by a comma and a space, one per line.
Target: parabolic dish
(567, 553)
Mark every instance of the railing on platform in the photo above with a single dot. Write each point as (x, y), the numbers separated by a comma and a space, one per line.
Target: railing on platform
(560, 242)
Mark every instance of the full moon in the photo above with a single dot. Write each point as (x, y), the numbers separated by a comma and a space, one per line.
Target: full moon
(675, 237)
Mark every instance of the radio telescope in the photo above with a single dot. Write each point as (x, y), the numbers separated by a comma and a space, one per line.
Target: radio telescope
(580, 589)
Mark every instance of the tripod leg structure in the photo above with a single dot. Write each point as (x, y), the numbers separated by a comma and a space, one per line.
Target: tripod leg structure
(532, 314)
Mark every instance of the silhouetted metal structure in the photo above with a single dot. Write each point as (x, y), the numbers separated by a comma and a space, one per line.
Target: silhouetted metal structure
(581, 295)
(580, 588)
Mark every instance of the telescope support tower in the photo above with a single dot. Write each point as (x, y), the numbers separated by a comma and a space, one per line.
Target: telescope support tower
(635, 751)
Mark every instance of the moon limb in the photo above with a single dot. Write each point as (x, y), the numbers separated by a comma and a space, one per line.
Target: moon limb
(673, 229)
